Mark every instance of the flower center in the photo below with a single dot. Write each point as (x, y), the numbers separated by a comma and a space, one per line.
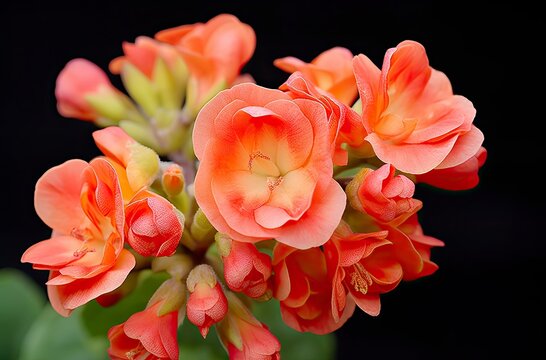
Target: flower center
(360, 278)
(261, 164)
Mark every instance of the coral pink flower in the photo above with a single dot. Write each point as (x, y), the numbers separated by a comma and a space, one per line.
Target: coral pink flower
(461, 177)
(304, 288)
(79, 79)
(145, 335)
(363, 267)
(412, 118)
(214, 51)
(382, 195)
(265, 167)
(246, 269)
(244, 337)
(344, 123)
(207, 303)
(331, 71)
(82, 203)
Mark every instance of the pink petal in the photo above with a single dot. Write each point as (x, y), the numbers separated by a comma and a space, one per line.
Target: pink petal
(57, 196)
(316, 226)
(467, 145)
(54, 252)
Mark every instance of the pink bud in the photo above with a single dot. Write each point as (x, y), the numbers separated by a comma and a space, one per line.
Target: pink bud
(207, 303)
(172, 180)
(247, 270)
(154, 226)
(78, 79)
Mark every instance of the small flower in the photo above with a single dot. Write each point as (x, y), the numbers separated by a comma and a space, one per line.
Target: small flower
(246, 269)
(244, 337)
(412, 118)
(266, 168)
(145, 335)
(382, 195)
(207, 303)
(363, 266)
(461, 177)
(331, 71)
(83, 205)
(344, 123)
(84, 92)
(304, 288)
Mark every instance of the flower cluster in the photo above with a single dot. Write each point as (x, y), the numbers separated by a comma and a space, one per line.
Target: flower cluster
(240, 193)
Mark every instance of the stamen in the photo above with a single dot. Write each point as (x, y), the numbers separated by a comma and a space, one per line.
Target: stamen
(360, 279)
(272, 183)
(255, 155)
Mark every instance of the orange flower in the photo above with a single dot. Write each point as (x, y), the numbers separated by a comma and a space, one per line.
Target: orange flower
(153, 225)
(331, 71)
(246, 269)
(382, 195)
(304, 288)
(145, 335)
(412, 118)
(214, 52)
(363, 266)
(244, 337)
(77, 84)
(82, 203)
(207, 303)
(461, 177)
(265, 167)
(344, 123)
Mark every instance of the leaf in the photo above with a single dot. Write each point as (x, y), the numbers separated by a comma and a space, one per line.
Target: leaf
(294, 345)
(21, 301)
(55, 337)
(193, 346)
(98, 320)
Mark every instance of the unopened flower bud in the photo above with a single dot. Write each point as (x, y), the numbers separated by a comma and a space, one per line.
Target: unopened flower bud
(246, 269)
(172, 180)
(178, 266)
(207, 303)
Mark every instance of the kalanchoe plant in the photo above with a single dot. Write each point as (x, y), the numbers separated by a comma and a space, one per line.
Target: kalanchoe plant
(301, 195)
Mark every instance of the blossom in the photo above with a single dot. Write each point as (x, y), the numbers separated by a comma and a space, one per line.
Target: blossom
(383, 195)
(330, 71)
(413, 120)
(207, 303)
(214, 52)
(246, 269)
(154, 225)
(363, 266)
(83, 91)
(344, 123)
(244, 337)
(145, 335)
(83, 205)
(265, 167)
(304, 288)
(461, 177)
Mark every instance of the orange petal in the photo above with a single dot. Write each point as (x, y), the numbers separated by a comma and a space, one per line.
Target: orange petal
(467, 145)
(54, 252)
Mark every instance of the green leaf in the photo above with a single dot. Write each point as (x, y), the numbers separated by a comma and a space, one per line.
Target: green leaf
(98, 320)
(21, 301)
(193, 346)
(55, 337)
(294, 345)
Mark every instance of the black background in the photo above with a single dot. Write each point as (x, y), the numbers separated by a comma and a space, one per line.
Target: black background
(484, 302)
